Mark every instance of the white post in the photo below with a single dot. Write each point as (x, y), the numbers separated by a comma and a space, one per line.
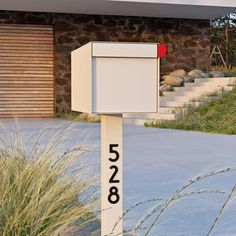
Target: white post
(111, 175)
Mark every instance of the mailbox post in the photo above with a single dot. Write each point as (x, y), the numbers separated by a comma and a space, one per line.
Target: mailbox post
(111, 174)
(111, 79)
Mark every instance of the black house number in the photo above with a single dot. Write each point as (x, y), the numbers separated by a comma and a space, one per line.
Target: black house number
(114, 196)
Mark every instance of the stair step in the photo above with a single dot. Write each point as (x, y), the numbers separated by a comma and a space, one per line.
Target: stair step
(129, 121)
(157, 117)
(177, 104)
(219, 79)
(166, 110)
(182, 90)
(207, 85)
(172, 103)
(151, 116)
(193, 94)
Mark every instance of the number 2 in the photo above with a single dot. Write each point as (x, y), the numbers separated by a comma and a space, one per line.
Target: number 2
(112, 179)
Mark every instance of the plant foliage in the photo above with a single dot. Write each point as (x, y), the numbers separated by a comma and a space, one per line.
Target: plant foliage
(38, 195)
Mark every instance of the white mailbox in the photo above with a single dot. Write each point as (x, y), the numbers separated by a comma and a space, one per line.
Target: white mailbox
(115, 78)
(111, 79)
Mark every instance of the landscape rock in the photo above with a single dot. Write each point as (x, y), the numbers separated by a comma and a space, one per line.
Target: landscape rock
(197, 74)
(188, 79)
(163, 77)
(90, 118)
(179, 73)
(217, 74)
(174, 81)
(166, 88)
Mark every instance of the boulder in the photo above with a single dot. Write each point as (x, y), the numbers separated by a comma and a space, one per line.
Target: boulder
(166, 88)
(174, 81)
(217, 74)
(163, 77)
(188, 79)
(198, 74)
(90, 118)
(179, 73)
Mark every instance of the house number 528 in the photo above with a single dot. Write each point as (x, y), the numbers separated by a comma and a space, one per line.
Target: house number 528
(114, 196)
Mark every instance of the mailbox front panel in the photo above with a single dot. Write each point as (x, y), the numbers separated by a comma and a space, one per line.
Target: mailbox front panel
(125, 85)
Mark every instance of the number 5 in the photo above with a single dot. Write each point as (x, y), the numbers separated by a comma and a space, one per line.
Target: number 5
(116, 158)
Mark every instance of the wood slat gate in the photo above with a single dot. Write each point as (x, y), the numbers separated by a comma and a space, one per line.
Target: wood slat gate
(26, 71)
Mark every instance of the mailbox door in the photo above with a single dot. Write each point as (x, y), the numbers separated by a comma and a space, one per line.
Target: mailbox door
(125, 85)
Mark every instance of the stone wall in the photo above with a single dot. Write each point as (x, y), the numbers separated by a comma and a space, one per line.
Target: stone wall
(188, 41)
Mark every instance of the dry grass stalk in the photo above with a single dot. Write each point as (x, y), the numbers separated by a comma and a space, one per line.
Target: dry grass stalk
(38, 194)
(221, 210)
(176, 195)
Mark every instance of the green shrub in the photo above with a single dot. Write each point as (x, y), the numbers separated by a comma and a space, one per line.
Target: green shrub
(230, 73)
(38, 195)
(80, 117)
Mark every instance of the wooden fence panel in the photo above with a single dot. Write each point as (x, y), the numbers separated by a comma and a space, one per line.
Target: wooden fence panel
(26, 71)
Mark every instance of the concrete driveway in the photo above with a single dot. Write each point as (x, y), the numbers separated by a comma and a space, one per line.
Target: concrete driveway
(156, 163)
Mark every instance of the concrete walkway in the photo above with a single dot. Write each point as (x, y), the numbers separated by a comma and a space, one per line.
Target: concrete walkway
(156, 163)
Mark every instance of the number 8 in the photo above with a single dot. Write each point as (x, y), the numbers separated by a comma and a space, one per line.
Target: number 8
(113, 192)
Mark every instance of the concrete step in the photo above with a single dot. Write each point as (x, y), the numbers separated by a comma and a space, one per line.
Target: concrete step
(201, 81)
(157, 117)
(217, 80)
(132, 121)
(177, 104)
(182, 90)
(151, 116)
(166, 110)
(175, 95)
(210, 85)
(162, 110)
(172, 104)
(192, 94)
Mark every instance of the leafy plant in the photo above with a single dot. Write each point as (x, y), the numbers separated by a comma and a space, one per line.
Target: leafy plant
(223, 31)
(230, 73)
(80, 117)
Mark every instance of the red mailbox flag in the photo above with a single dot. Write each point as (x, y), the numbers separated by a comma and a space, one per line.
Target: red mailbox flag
(161, 50)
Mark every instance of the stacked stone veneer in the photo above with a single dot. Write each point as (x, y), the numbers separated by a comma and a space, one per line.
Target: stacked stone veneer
(188, 41)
